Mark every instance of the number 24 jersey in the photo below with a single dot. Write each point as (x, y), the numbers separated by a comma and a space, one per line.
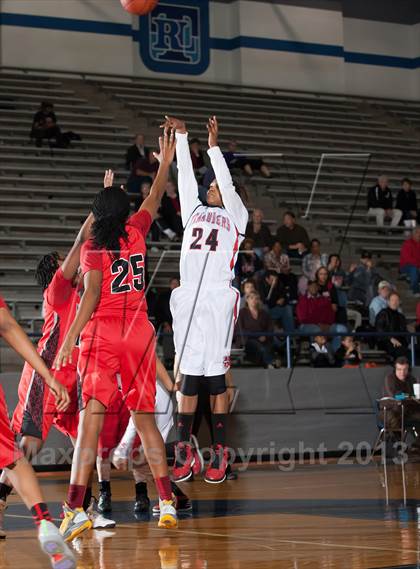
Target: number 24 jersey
(123, 277)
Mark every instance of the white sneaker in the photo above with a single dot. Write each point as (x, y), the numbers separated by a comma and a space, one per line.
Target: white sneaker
(3, 508)
(168, 518)
(97, 519)
(52, 543)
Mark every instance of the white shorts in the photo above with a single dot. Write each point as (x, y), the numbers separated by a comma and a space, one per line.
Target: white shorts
(203, 345)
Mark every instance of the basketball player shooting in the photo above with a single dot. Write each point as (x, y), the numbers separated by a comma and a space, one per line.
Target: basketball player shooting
(204, 307)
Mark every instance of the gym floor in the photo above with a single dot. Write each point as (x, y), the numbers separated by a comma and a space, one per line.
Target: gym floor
(315, 516)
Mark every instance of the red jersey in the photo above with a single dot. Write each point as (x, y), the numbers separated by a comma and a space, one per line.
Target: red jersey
(123, 278)
(2, 303)
(60, 305)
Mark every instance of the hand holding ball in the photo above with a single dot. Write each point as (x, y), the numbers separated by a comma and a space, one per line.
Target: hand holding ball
(139, 7)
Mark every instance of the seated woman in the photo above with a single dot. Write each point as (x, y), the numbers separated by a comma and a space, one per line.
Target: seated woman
(253, 319)
(248, 263)
(349, 353)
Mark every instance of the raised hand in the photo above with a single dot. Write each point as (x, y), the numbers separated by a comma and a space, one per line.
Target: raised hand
(167, 145)
(177, 124)
(108, 178)
(213, 130)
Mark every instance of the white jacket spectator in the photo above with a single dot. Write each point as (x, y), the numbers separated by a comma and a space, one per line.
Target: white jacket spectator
(379, 302)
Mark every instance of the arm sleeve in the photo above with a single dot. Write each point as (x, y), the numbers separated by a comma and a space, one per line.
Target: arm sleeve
(187, 184)
(59, 289)
(231, 200)
(2, 303)
(90, 258)
(142, 220)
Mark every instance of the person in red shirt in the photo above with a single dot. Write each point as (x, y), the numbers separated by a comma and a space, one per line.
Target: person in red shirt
(12, 461)
(36, 411)
(315, 314)
(116, 338)
(410, 260)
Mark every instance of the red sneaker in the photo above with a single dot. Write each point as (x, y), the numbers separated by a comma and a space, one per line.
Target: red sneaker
(198, 465)
(184, 462)
(216, 472)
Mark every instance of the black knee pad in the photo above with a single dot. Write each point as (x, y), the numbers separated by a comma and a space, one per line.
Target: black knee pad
(190, 385)
(216, 384)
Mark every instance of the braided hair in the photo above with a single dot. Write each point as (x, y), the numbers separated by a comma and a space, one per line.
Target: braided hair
(46, 269)
(111, 208)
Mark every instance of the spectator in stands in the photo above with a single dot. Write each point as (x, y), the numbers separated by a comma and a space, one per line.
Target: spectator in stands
(314, 260)
(293, 237)
(159, 225)
(399, 384)
(198, 158)
(276, 260)
(144, 170)
(338, 277)
(363, 279)
(379, 302)
(245, 163)
(391, 320)
(349, 353)
(136, 152)
(328, 290)
(248, 263)
(380, 203)
(170, 208)
(410, 260)
(163, 318)
(253, 319)
(407, 203)
(259, 232)
(44, 124)
(274, 295)
(247, 287)
(315, 314)
(321, 353)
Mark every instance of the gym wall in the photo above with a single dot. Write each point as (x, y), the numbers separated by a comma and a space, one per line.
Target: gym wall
(328, 46)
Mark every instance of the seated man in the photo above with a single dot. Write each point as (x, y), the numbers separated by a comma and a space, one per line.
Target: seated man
(44, 124)
(410, 260)
(293, 237)
(379, 302)
(274, 295)
(391, 320)
(136, 152)
(321, 353)
(315, 314)
(380, 203)
(407, 203)
(245, 163)
(399, 385)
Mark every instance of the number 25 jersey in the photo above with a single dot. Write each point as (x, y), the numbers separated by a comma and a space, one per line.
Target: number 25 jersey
(123, 277)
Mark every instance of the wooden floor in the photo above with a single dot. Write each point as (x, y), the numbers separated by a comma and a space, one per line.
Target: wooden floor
(331, 516)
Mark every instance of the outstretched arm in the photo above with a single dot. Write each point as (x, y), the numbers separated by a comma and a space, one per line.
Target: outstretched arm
(231, 200)
(19, 341)
(167, 144)
(187, 183)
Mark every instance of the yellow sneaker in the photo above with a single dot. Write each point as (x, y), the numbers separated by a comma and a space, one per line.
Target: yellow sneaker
(167, 517)
(74, 523)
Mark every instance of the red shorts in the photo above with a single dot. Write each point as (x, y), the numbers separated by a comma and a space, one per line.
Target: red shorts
(124, 346)
(9, 452)
(36, 410)
(115, 423)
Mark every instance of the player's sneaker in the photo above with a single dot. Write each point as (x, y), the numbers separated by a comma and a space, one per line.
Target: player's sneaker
(104, 502)
(142, 504)
(52, 543)
(97, 519)
(184, 462)
(198, 465)
(216, 471)
(74, 523)
(167, 514)
(183, 505)
(3, 507)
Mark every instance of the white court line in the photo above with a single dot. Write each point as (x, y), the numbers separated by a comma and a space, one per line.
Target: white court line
(292, 541)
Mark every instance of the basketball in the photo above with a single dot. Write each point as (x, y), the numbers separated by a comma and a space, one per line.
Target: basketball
(139, 7)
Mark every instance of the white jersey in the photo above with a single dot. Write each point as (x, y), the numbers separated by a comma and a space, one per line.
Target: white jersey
(212, 235)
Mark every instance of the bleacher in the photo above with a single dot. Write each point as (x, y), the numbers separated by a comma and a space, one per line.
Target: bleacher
(45, 193)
